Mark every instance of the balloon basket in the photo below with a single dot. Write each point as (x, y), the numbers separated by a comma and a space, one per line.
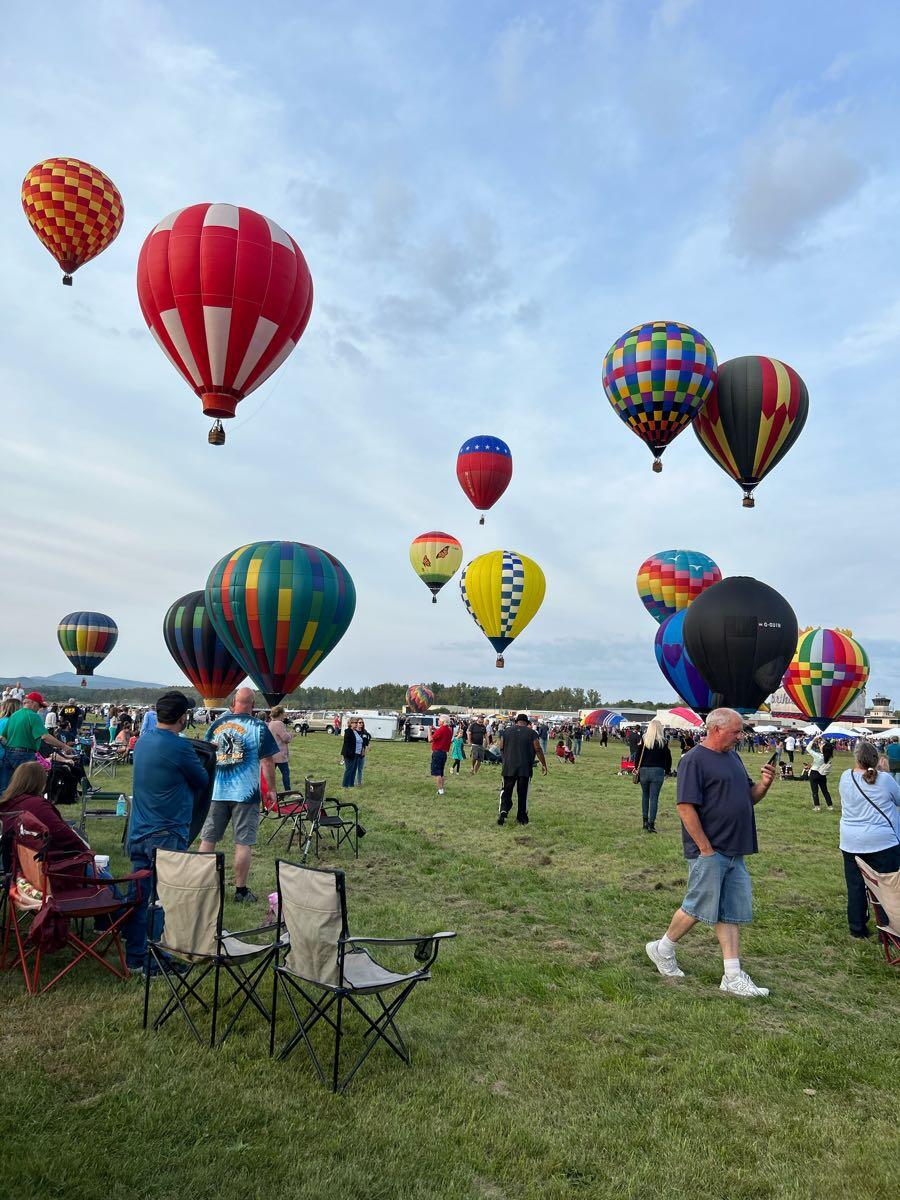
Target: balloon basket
(481, 519)
(657, 466)
(216, 435)
(748, 501)
(434, 599)
(67, 280)
(500, 662)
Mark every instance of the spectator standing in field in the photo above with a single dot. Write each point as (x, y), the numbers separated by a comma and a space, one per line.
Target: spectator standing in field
(790, 745)
(635, 740)
(72, 715)
(361, 757)
(51, 719)
(870, 829)
(892, 753)
(457, 749)
(577, 735)
(519, 745)
(351, 750)
(283, 737)
(440, 737)
(821, 751)
(168, 778)
(244, 749)
(476, 735)
(149, 720)
(716, 798)
(655, 763)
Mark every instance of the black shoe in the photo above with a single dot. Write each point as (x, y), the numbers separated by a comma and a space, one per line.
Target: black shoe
(245, 897)
(651, 828)
(645, 823)
(521, 820)
(501, 820)
(860, 933)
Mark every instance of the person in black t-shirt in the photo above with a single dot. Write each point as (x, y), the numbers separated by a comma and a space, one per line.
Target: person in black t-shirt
(476, 735)
(520, 746)
(716, 798)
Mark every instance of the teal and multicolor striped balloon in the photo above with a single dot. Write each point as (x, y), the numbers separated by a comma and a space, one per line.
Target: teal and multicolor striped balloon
(199, 651)
(280, 608)
(86, 638)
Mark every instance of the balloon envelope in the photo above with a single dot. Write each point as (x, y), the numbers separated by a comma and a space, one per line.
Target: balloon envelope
(199, 651)
(484, 469)
(828, 670)
(86, 638)
(435, 558)
(741, 635)
(419, 697)
(669, 580)
(676, 665)
(502, 591)
(755, 414)
(598, 717)
(657, 377)
(75, 210)
(227, 294)
(280, 608)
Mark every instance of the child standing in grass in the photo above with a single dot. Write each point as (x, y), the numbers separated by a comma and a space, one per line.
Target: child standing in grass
(457, 751)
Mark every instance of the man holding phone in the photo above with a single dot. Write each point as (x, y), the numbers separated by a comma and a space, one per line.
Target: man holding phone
(716, 798)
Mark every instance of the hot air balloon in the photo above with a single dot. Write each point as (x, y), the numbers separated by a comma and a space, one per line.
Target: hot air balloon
(199, 651)
(419, 697)
(75, 210)
(827, 671)
(675, 663)
(435, 558)
(86, 638)
(667, 582)
(280, 608)
(227, 294)
(752, 419)
(598, 717)
(484, 469)
(740, 635)
(502, 591)
(657, 377)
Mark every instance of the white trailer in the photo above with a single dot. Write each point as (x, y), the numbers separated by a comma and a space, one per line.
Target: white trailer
(382, 726)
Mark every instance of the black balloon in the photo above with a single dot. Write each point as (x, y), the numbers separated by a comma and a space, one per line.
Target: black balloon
(740, 634)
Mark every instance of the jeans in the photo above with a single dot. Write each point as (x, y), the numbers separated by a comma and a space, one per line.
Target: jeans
(136, 930)
(349, 771)
(11, 760)
(651, 785)
(817, 781)
(285, 772)
(577, 746)
(719, 890)
(360, 763)
(884, 861)
(544, 746)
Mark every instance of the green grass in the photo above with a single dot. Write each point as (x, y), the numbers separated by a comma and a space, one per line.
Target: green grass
(549, 1058)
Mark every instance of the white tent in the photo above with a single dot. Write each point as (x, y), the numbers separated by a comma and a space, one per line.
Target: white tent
(884, 734)
(765, 728)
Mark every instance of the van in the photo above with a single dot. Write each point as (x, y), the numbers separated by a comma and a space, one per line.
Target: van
(318, 722)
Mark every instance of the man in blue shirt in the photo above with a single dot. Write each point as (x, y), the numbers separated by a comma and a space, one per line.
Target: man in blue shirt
(167, 777)
(244, 748)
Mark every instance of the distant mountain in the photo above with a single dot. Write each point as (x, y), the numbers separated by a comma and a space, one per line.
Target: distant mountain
(68, 679)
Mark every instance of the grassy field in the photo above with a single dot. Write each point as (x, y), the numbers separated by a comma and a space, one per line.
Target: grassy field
(549, 1058)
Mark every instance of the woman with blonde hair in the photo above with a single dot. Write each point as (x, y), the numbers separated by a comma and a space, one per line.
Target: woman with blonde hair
(283, 736)
(870, 829)
(653, 761)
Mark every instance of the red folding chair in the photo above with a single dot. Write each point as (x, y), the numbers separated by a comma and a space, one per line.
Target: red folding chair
(292, 808)
(883, 891)
(49, 897)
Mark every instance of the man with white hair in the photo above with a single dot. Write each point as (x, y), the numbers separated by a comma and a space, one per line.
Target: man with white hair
(715, 798)
(440, 737)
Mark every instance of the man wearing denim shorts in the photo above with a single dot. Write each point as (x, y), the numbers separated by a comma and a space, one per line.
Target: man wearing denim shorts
(715, 801)
(244, 748)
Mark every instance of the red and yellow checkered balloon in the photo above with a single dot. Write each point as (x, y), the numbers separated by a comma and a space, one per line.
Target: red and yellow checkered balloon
(75, 210)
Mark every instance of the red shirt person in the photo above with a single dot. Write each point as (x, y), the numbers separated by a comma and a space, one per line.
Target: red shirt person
(440, 737)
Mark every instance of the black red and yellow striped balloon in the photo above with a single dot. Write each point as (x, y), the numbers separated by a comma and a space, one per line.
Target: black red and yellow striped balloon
(199, 651)
(75, 210)
(754, 415)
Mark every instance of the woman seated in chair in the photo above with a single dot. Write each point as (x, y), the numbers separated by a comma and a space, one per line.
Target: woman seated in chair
(562, 752)
(25, 794)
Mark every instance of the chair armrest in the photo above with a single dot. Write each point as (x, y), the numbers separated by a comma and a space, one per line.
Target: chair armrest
(339, 804)
(426, 948)
(244, 932)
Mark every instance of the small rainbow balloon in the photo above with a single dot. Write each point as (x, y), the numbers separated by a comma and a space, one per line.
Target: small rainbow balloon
(435, 558)
(419, 697)
(828, 670)
(668, 581)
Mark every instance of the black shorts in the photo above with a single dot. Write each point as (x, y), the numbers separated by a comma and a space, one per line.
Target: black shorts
(438, 761)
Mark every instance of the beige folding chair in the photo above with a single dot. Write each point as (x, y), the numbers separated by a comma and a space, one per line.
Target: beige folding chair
(883, 890)
(331, 972)
(190, 888)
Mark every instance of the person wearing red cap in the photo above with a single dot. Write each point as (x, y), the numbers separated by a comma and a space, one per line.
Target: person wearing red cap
(23, 736)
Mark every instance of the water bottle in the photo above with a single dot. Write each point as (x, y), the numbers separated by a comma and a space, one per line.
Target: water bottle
(121, 807)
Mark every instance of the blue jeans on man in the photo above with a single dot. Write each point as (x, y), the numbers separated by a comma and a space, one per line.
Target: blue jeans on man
(142, 924)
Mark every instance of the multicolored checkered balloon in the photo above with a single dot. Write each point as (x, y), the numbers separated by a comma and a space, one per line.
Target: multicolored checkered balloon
(75, 210)
(827, 671)
(419, 697)
(669, 580)
(657, 377)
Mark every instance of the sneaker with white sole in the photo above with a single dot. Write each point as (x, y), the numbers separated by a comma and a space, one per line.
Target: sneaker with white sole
(741, 985)
(666, 964)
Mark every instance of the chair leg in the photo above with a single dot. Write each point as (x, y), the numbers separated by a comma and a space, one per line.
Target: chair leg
(215, 1007)
(272, 1015)
(337, 1044)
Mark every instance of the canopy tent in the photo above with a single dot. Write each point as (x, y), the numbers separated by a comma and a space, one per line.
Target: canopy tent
(883, 734)
(765, 728)
(679, 718)
(837, 732)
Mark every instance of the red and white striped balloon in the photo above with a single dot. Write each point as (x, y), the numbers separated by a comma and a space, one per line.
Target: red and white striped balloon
(227, 294)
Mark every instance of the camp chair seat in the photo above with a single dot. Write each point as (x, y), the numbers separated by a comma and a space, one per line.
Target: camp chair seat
(292, 808)
(104, 900)
(362, 973)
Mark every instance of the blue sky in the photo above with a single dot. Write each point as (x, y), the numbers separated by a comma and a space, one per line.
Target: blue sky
(487, 195)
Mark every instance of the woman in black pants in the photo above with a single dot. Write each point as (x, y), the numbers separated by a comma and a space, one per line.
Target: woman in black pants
(821, 752)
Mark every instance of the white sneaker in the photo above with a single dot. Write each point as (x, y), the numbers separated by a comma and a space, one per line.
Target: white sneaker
(667, 966)
(741, 985)
(440, 791)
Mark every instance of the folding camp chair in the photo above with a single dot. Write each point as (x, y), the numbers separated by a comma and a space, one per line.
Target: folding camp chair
(291, 808)
(326, 972)
(193, 945)
(48, 897)
(883, 891)
(103, 806)
(325, 815)
(104, 762)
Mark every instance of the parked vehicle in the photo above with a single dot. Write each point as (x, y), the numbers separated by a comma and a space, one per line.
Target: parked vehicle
(317, 722)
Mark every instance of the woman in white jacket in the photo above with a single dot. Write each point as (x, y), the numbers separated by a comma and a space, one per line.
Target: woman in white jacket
(821, 752)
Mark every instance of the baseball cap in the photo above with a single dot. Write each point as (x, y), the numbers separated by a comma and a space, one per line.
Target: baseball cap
(37, 698)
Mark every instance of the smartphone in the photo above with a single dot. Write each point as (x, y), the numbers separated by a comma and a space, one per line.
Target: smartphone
(772, 760)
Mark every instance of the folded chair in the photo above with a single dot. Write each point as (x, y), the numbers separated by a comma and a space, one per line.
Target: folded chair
(326, 974)
(883, 890)
(291, 808)
(104, 762)
(103, 806)
(194, 945)
(47, 898)
(323, 815)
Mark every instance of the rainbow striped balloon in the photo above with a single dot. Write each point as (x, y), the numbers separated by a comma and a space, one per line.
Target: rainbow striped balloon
(86, 638)
(827, 671)
(419, 697)
(669, 580)
(280, 608)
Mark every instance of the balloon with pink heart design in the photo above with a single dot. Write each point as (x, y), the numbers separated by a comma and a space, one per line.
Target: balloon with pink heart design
(676, 665)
